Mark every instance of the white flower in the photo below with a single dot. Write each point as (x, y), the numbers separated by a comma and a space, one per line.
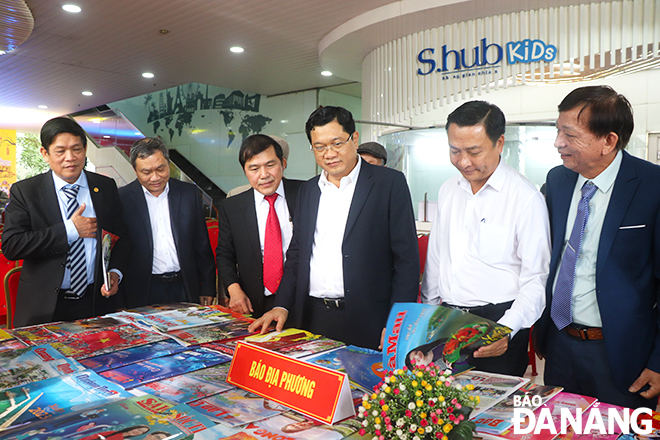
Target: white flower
(400, 422)
(411, 406)
(402, 387)
(447, 372)
(382, 395)
(387, 379)
(377, 426)
(442, 379)
(365, 423)
(458, 386)
(365, 397)
(413, 427)
(375, 413)
(429, 429)
(415, 438)
(399, 432)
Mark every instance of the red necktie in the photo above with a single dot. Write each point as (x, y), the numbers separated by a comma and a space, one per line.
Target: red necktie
(273, 260)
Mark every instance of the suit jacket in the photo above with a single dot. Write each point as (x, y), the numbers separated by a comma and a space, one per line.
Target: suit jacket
(627, 268)
(34, 232)
(239, 248)
(381, 256)
(190, 238)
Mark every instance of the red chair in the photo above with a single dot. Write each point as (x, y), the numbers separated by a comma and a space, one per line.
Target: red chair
(5, 266)
(11, 288)
(423, 244)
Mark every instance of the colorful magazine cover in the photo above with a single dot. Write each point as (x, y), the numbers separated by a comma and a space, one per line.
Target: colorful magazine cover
(32, 364)
(4, 335)
(288, 425)
(236, 407)
(134, 375)
(490, 387)
(426, 333)
(276, 340)
(90, 325)
(54, 397)
(363, 366)
(104, 341)
(498, 418)
(33, 335)
(168, 320)
(310, 348)
(235, 329)
(188, 387)
(110, 417)
(132, 355)
(11, 344)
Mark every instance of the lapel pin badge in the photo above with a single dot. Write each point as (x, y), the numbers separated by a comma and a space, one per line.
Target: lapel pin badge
(96, 189)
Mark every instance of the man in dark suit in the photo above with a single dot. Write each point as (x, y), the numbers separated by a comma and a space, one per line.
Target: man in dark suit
(54, 223)
(172, 259)
(599, 331)
(354, 250)
(243, 222)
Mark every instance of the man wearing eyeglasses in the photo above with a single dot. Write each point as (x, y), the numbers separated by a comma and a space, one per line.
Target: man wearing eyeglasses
(354, 249)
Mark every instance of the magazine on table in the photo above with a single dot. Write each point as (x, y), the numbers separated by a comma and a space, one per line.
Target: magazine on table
(236, 407)
(188, 318)
(310, 347)
(275, 340)
(133, 355)
(98, 342)
(235, 329)
(82, 326)
(490, 387)
(423, 333)
(32, 364)
(363, 366)
(185, 388)
(498, 418)
(134, 375)
(50, 398)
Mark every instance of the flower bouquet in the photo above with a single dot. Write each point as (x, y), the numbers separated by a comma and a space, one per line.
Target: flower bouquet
(418, 404)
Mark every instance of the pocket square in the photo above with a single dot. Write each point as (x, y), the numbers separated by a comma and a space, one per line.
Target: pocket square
(633, 227)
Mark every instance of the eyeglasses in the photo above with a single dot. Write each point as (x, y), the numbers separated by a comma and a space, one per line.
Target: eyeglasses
(322, 149)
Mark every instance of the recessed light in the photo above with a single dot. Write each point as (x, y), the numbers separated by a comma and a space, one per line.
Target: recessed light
(87, 93)
(72, 8)
(148, 75)
(137, 133)
(106, 136)
(284, 121)
(95, 120)
(326, 73)
(237, 49)
(43, 107)
(2, 52)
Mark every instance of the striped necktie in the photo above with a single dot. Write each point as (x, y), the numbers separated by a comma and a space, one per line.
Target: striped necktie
(76, 261)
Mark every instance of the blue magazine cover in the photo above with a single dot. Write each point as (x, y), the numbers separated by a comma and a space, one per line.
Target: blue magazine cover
(427, 333)
(54, 397)
(132, 355)
(131, 376)
(191, 386)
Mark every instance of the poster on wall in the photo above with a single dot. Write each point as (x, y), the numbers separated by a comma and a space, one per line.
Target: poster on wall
(7, 159)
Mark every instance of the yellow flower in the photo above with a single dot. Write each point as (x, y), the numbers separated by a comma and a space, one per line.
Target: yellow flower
(418, 393)
(414, 383)
(440, 421)
(469, 387)
(377, 420)
(393, 379)
(385, 407)
(419, 403)
(438, 384)
(388, 389)
(420, 430)
(423, 415)
(367, 405)
(373, 396)
(424, 383)
(448, 427)
(444, 437)
(429, 387)
(441, 398)
(477, 399)
(419, 374)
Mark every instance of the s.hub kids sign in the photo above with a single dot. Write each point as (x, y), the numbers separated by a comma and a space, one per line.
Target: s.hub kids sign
(484, 56)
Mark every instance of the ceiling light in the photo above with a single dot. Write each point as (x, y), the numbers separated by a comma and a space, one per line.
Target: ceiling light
(2, 52)
(95, 120)
(87, 93)
(43, 107)
(72, 8)
(148, 75)
(237, 49)
(106, 136)
(137, 133)
(326, 73)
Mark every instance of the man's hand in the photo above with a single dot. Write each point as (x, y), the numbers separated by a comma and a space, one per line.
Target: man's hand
(382, 339)
(495, 349)
(114, 285)
(649, 377)
(238, 300)
(86, 226)
(277, 314)
(206, 300)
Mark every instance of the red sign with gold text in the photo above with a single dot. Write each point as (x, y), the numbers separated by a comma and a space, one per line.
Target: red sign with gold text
(304, 387)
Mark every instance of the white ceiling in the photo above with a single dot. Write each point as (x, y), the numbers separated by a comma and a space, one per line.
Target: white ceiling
(106, 47)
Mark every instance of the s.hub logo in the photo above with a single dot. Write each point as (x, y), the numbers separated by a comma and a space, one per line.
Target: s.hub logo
(484, 56)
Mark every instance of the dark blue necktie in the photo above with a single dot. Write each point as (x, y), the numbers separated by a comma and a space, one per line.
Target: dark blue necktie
(76, 261)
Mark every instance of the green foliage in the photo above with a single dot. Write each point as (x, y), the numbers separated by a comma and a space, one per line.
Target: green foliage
(30, 162)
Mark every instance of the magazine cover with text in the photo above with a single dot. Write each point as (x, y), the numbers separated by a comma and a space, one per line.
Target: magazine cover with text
(191, 386)
(425, 333)
(133, 355)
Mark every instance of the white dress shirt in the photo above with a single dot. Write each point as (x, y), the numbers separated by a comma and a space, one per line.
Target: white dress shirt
(71, 231)
(584, 304)
(490, 247)
(286, 226)
(165, 258)
(326, 270)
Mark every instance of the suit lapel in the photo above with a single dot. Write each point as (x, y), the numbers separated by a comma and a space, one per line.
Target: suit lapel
(174, 201)
(49, 199)
(290, 200)
(625, 186)
(250, 218)
(141, 208)
(362, 190)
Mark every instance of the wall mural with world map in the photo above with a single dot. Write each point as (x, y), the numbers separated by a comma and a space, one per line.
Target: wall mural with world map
(207, 125)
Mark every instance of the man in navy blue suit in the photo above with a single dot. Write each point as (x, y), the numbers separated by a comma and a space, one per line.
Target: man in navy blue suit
(599, 331)
(354, 248)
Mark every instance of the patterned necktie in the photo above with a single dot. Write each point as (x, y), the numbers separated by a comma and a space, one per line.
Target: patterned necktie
(76, 261)
(561, 310)
(273, 260)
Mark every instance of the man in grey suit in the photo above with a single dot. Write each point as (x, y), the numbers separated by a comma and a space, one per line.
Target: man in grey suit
(172, 259)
